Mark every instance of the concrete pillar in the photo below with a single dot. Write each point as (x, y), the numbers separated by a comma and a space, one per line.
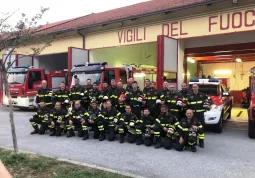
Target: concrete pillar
(180, 63)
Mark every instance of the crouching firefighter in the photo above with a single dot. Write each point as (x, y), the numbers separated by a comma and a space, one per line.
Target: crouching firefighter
(145, 126)
(78, 118)
(108, 121)
(40, 118)
(191, 127)
(57, 119)
(127, 125)
(166, 127)
(94, 113)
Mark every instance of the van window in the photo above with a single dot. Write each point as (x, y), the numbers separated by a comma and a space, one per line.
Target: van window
(109, 75)
(123, 76)
(34, 76)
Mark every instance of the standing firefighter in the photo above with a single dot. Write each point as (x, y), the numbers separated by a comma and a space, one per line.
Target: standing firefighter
(44, 94)
(121, 95)
(78, 92)
(127, 125)
(78, 118)
(134, 98)
(94, 93)
(198, 102)
(57, 119)
(191, 127)
(166, 127)
(163, 92)
(174, 102)
(113, 93)
(151, 96)
(185, 93)
(62, 96)
(40, 118)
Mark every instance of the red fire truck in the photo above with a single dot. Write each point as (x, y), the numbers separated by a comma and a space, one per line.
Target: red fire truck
(25, 81)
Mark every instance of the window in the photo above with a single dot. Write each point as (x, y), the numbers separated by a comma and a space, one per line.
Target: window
(123, 76)
(34, 76)
(109, 75)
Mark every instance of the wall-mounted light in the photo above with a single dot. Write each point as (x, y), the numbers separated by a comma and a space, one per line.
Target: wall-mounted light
(189, 59)
(238, 59)
(222, 72)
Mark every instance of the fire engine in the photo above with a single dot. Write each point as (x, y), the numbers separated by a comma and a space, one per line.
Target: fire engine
(251, 109)
(221, 98)
(25, 81)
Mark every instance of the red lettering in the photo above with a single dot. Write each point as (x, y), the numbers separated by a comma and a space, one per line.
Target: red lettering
(137, 35)
(173, 29)
(144, 33)
(163, 29)
(120, 33)
(129, 35)
(240, 20)
(221, 22)
(181, 33)
(246, 24)
(212, 23)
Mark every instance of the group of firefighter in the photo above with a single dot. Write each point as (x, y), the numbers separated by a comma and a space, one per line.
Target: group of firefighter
(167, 118)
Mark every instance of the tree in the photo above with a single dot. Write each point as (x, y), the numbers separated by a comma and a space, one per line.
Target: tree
(13, 37)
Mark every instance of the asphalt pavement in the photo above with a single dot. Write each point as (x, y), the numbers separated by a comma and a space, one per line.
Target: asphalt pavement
(227, 155)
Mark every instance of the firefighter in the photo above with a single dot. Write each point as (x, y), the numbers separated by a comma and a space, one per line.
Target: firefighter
(151, 96)
(191, 126)
(135, 100)
(163, 92)
(94, 114)
(44, 94)
(166, 127)
(62, 96)
(129, 84)
(94, 93)
(155, 111)
(147, 85)
(108, 121)
(174, 102)
(185, 92)
(199, 102)
(121, 95)
(40, 118)
(113, 93)
(105, 93)
(78, 118)
(57, 118)
(145, 126)
(89, 85)
(78, 93)
(127, 123)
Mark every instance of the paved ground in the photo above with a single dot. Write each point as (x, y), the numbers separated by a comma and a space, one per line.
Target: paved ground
(226, 155)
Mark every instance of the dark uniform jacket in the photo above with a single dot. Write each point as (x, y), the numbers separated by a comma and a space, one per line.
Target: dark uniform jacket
(78, 114)
(171, 100)
(75, 94)
(127, 118)
(186, 124)
(58, 114)
(150, 97)
(43, 95)
(132, 96)
(162, 93)
(109, 115)
(146, 120)
(196, 101)
(61, 96)
(41, 113)
(168, 121)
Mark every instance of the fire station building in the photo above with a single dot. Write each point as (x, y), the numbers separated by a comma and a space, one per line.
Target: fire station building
(168, 39)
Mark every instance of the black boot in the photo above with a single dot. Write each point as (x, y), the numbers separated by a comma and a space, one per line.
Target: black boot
(53, 132)
(36, 131)
(59, 131)
(201, 143)
(139, 140)
(70, 133)
(102, 136)
(193, 148)
(42, 129)
(86, 135)
(122, 138)
(158, 142)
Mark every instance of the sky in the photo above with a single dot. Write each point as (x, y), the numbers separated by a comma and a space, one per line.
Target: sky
(60, 10)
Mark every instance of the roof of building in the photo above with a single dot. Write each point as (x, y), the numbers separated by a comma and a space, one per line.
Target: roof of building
(109, 16)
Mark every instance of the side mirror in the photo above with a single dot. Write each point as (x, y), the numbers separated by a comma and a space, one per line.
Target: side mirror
(225, 94)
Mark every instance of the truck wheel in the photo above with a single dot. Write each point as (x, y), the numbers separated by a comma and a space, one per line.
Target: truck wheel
(251, 129)
(219, 126)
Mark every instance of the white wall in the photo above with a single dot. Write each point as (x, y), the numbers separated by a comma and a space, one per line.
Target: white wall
(236, 81)
(235, 38)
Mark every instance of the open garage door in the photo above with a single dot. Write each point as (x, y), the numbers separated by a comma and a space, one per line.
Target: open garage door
(77, 56)
(167, 60)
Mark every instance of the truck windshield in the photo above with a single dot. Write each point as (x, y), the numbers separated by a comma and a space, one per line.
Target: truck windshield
(16, 78)
(94, 76)
(211, 90)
